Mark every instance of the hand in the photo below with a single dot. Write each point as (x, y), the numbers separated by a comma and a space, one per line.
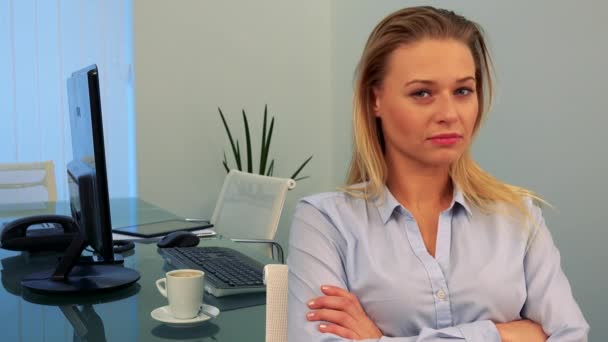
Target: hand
(523, 330)
(343, 313)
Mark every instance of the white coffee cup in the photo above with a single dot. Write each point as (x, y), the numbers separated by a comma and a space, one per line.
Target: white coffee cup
(184, 290)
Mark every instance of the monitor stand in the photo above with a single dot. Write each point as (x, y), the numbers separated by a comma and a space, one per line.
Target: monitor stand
(87, 324)
(70, 277)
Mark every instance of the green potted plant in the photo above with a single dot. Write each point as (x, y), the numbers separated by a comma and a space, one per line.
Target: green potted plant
(265, 168)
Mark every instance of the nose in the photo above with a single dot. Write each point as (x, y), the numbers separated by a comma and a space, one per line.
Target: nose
(447, 110)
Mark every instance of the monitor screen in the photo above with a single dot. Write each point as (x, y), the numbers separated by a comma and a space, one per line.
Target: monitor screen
(87, 175)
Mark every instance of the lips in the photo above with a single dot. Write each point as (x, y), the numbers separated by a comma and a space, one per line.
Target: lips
(446, 139)
(446, 136)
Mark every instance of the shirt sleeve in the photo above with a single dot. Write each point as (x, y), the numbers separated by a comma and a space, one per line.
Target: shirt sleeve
(550, 301)
(316, 254)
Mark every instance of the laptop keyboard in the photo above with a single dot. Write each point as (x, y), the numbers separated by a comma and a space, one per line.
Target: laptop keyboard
(227, 271)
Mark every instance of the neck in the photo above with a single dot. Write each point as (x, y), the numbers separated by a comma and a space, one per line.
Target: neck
(419, 187)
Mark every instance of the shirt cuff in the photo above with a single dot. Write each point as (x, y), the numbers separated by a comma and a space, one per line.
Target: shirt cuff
(485, 331)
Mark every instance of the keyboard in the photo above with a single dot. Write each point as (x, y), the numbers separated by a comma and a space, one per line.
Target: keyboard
(227, 271)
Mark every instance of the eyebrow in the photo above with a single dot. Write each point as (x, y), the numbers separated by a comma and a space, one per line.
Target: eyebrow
(468, 78)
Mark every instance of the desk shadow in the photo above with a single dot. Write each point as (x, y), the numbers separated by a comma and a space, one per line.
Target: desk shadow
(15, 268)
(78, 308)
(207, 329)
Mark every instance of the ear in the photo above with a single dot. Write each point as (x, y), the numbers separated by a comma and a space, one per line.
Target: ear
(376, 106)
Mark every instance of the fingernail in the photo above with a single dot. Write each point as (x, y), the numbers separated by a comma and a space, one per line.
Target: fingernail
(311, 303)
(322, 326)
(324, 288)
(310, 315)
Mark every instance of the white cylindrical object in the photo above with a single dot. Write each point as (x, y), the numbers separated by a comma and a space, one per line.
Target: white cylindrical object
(275, 277)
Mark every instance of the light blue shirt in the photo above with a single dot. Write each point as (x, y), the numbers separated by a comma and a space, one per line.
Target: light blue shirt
(487, 269)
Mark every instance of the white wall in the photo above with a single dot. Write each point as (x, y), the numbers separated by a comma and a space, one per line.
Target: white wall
(546, 131)
(191, 57)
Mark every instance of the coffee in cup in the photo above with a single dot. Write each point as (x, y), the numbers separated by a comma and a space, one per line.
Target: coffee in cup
(185, 274)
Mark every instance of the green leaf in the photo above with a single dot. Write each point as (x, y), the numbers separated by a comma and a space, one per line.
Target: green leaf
(234, 149)
(248, 144)
(270, 168)
(225, 162)
(263, 150)
(301, 167)
(267, 131)
(238, 156)
(269, 137)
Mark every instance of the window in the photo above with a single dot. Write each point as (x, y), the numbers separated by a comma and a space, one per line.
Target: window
(41, 43)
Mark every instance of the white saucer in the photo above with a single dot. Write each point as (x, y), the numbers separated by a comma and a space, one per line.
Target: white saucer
(163, 314)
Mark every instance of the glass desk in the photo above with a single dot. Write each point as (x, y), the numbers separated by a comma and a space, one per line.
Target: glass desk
(117, 316)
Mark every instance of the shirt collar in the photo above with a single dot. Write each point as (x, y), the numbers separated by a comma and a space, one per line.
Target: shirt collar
(387, 204)
(458, 197)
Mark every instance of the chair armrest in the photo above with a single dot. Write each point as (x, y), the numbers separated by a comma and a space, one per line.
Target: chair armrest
(271, 242)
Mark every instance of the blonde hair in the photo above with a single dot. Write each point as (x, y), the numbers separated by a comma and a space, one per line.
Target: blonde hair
(368, 169)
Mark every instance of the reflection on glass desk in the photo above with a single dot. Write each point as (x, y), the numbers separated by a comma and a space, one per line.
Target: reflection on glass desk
(116, 316)
(125, 211)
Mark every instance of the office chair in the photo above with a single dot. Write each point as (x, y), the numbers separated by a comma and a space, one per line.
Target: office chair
(275, 278)
(22, 183)
(249, 208)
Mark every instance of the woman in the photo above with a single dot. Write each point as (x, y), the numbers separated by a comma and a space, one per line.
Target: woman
(422, 244)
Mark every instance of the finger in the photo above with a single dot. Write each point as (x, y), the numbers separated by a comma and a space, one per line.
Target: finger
(339, 292)
(329, 302)
(338, 330)
(335, 291)
(340, 318)
(337, 303)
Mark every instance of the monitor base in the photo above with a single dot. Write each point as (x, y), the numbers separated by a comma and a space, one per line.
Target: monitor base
(82, 279)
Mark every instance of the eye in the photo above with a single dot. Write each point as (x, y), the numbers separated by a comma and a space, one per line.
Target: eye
(422, 93)
(464, 91)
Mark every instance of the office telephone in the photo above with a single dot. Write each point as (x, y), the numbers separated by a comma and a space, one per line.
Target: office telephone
(39, 233)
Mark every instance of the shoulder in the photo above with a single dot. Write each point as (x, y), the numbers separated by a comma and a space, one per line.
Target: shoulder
(317, 220)
(533, 207)
(528, 208)
(521, 221)
(328, 199)
(336, 209)
(332, 203)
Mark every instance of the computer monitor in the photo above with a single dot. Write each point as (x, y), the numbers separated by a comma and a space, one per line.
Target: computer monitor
(89, 201)
(87, 170)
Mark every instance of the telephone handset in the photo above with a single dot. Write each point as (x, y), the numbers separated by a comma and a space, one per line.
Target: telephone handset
(39, 233)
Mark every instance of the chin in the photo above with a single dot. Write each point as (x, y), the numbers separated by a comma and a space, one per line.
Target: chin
(443, 159)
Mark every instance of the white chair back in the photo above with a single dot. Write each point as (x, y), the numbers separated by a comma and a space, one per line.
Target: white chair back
(250, 206)
(22, 183)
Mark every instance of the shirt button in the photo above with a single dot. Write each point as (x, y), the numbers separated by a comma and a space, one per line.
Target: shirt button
(441, 294)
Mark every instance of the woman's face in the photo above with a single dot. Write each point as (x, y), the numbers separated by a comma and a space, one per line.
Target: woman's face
(427, 103)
